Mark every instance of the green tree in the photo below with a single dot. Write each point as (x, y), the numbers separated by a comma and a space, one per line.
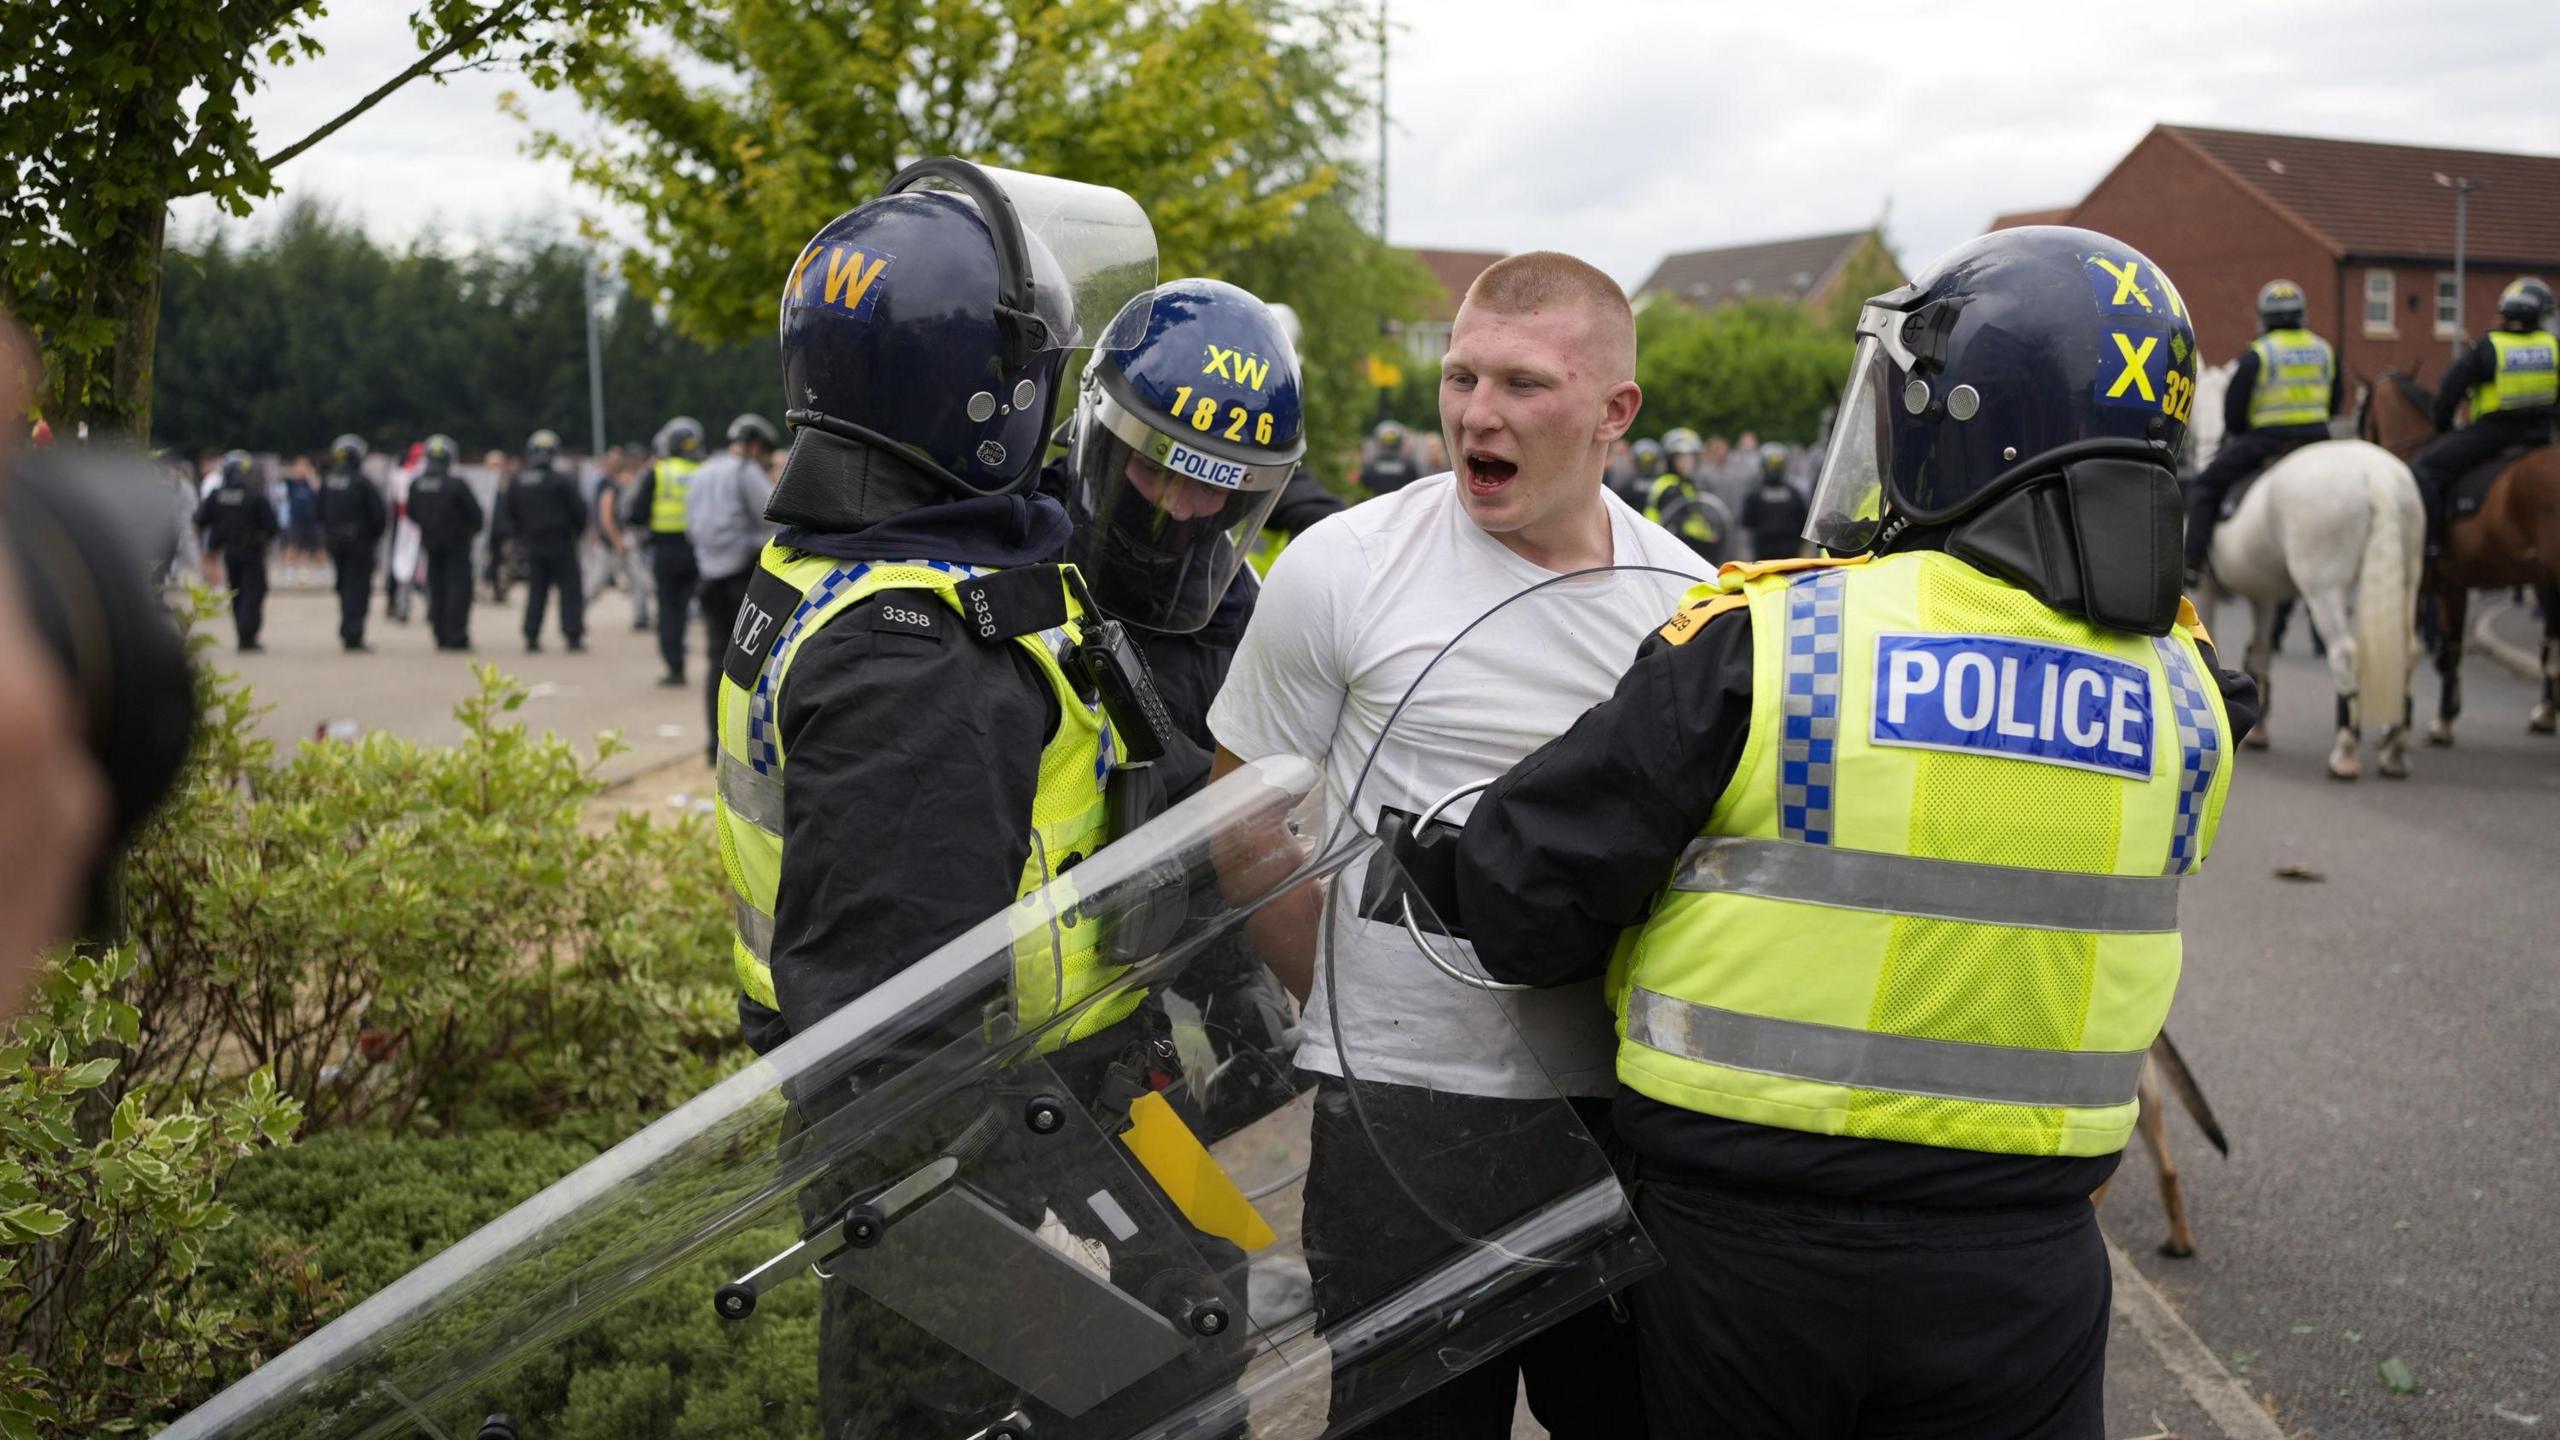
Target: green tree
(763, 119)
(283, 339)
(109, 112)
(1764, 365)
(1871, 271)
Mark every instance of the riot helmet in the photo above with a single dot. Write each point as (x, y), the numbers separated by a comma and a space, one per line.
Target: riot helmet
(2025, 397)
(1291, 326)
(1187, 425)
(679, 439)
(1389, 437)
(2280, 305)
(348, 450)
(1647, 455)
(239, 467)
(754, 429)
(543, 446)
(924, 336)
(1773, 461)
(439, 454)
(2525, 302)
(1681, 440)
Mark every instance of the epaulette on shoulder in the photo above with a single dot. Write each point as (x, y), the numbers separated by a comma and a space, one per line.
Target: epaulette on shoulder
(1692, 617)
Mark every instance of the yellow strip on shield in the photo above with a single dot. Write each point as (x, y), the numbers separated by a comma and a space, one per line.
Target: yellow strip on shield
(1193, 1181)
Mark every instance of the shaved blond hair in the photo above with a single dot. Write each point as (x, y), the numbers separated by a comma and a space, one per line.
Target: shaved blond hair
(1551, 280)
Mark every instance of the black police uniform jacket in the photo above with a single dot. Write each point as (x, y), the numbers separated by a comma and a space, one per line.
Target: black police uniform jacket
(543, 509)
(351, 510)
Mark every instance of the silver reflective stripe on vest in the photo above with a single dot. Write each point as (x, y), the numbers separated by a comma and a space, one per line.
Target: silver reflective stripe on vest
(1865, 1060)
(754, 927)
(1929, 889)
(754, 798)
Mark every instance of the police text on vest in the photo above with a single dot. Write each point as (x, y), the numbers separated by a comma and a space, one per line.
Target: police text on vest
(2017, 699)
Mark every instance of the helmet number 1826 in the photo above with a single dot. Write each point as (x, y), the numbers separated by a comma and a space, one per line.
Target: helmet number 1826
(1202, 415)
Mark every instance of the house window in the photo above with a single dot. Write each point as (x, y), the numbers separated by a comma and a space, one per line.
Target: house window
(2448, 306)
(2377, 303)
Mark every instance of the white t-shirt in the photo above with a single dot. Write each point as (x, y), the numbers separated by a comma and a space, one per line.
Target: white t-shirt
(1353, 611)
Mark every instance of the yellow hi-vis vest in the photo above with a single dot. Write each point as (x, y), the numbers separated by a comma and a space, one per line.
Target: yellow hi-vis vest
(2295, 370)
(1938, 901)
(2528, 374)
(666, 500)
(1056, 952)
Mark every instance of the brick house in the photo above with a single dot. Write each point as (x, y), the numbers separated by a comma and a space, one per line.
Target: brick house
(1427, 339)
(1808, 269)
(2366, 229)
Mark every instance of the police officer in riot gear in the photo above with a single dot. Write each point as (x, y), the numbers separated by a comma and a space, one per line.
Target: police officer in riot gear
(2284, 388)
(2510, 378)
(657, 506)
(447, 513)
(1391, 464)
(912, 679)
(1774, 511)
(238, 520)
(1166, 509)
(546, 515)
(352, 521)
(1856, 913)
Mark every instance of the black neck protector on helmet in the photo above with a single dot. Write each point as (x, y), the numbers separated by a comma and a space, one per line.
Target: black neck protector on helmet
(2098, 531)
(850, 481)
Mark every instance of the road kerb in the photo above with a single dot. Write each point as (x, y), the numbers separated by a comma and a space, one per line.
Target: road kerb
(2486, 640)
(2219, 1393)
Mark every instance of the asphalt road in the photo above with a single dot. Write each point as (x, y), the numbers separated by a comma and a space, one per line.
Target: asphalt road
(2380, 1046)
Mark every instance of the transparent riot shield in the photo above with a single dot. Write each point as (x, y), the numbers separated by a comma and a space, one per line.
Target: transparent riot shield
(1042, 1183)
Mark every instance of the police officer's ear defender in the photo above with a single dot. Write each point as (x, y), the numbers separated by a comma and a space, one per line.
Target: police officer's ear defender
(1024, 333)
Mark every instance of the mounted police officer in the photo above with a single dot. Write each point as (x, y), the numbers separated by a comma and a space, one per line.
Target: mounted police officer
(1894, 935)
(447, 513)
(352, 521)
(2284, 388)
(658, 503)
(920, 715)
(1167, 499)
(2511, 379)
(546, 515)
(238, 520)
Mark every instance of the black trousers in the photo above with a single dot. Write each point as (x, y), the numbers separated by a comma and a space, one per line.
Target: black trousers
(671, 562)
(550, 567)
(1365, 1237)
(449, 594)
(1800, 1318)
(721, 598)
(353, 560)
(247, 572)
(2451, 455)
(2241, 456)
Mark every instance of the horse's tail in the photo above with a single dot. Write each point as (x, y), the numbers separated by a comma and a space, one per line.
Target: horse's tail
(2386, 594)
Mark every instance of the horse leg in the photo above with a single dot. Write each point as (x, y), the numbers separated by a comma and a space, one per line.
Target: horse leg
(2453, 621)
(2257, 663)
(2328, 609)
(2546, 714)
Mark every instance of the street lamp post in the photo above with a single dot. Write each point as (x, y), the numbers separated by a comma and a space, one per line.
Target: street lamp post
(595, 365)
(2461, 186)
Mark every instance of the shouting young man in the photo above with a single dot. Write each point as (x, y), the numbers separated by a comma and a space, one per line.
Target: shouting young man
(1538, 384)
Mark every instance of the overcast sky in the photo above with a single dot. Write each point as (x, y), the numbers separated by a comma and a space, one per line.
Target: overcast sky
(1621, 130)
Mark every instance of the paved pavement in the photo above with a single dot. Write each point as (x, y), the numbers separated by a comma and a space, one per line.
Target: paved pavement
(2378, 1043)
(408, 687)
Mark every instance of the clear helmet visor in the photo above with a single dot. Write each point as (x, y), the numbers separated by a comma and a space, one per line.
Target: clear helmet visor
(1092, 249)
(1847, 506)
(1162, 526)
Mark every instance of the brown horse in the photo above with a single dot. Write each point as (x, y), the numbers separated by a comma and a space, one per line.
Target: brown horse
(2514, 539)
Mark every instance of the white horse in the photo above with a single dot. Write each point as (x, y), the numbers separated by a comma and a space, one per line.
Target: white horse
(2339, 525)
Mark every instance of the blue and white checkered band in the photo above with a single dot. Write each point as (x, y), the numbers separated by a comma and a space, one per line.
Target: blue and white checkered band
(764, 750)
(2199, 752)
(1811, 706)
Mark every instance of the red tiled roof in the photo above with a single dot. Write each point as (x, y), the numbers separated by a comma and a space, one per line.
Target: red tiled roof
(1776, 269)
(2058, 215)
(1455, 270)
(2364, 198)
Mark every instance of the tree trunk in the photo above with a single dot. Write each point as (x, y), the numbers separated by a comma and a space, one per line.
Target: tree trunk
(126, 294)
